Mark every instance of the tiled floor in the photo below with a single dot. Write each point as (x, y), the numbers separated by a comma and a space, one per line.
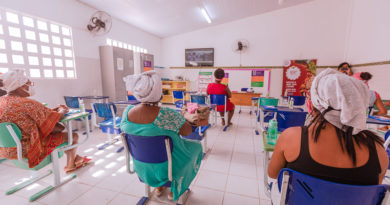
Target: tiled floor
(231, 174)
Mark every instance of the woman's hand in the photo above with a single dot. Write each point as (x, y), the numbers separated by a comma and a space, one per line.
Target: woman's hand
(62, 109)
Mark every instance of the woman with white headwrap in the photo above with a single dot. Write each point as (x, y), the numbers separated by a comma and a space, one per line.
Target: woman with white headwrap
(41, 132)
(149, 119)
(336, 146)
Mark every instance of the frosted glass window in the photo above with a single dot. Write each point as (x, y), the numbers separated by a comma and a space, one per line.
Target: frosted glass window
(120, 44)
(134, 48)
(57, 51)
(32, 48)
(2, 44)
(46, 62)
(3, 70)
(68, 53)
(42, 25)
(1, 29)
(145, 51)
(69, 63)
(45, 50)
(130, 47)
(67, 42)
(56, 40)
(60, 73)
(14, 32)
(70, 73)
(48, 73)
(54, 28)
(27, 21)
(30, 35)
(114, 43)
(12, 17)
(125, 45)
(35, 73)
(33, 60)
(3, 58)
(141, 50)
(65, 31)
(58, 62)
(44, 37)
(108, 41)
(16, 46)
(17, 59)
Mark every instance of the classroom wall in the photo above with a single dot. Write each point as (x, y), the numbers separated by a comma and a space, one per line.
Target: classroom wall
(369, 41)
(310, 30)
(77, 15)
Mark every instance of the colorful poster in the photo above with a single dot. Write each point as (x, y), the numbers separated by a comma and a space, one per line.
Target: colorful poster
(295, 75)
(147, 66)
(225, 80)
(257, 79)
(205, 78)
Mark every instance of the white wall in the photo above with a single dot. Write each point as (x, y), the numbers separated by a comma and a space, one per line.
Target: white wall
(77, 15)
(311, 30)
(369, 41)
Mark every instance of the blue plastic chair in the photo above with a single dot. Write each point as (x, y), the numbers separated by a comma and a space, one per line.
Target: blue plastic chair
(155, 149)
(73, 102)
(110, 123)
(178, 98)
(199, 134)
(298, 188)
(220, 100)
(131, 97)
(288, 119)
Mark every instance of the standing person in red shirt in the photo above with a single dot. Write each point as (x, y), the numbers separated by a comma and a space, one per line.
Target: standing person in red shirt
(218, 88)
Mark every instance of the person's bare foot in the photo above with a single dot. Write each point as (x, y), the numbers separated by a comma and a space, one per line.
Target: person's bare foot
(223, 122)
(383, 128)
(230, 124)
(170, 196)
(159, 191)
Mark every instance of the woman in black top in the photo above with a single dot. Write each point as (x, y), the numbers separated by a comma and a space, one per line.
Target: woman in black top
(335, 146)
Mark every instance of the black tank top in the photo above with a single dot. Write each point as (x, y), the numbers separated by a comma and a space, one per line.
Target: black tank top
(367, 174)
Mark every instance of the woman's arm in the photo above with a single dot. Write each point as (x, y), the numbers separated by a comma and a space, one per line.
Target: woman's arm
(381, 107)
(228, 92)
(186, 129)
(278, 160)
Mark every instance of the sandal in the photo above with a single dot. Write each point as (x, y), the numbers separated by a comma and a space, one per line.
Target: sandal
(84, 161)
(70, 170)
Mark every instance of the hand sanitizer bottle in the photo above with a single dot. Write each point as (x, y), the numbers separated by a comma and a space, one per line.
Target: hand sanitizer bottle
(272, 134)
(81, 105)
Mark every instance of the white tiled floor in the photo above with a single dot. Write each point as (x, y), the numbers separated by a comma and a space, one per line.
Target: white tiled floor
(232, 173)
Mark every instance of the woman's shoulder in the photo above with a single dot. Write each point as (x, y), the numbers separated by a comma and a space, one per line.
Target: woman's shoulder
(291, 135)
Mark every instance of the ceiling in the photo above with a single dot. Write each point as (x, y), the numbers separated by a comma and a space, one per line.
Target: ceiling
(165, 18)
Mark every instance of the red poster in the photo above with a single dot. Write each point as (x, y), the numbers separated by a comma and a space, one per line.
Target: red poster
(295, 75)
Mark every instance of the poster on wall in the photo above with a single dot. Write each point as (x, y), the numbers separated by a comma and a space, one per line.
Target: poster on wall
(147, 65)
(257, 79)
(225, 80)
(295, 75)
(205, 78)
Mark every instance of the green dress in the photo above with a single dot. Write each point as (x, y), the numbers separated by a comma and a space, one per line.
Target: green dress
(186, 156)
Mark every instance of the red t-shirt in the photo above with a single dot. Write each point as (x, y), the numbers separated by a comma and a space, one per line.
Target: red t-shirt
(220, 89)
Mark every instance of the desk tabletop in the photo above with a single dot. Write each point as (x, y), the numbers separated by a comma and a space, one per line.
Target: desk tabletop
(94, 97)
(377, 121)
(74, 116)
(280, 108)
(267, 147)
(127, 102)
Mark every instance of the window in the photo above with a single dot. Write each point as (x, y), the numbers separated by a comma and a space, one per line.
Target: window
(43, 48)
(120, 44)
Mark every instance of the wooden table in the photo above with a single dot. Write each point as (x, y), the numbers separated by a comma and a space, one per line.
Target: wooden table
(243, 98)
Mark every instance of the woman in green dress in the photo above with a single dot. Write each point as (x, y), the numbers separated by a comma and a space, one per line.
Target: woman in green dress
(148, 119)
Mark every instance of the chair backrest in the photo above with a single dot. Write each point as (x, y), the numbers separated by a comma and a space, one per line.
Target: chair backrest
(6, 139)
(200, 99)
(104, 109)
(304, 189)
(178, 94)
(131, 97)
(298, 100)
(268, 101)
(244, 89)
(72, 102)
(288, 119)
(148, 149)
(218, 99)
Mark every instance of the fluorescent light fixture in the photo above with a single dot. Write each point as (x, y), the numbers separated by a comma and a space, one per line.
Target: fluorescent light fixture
(206, 16)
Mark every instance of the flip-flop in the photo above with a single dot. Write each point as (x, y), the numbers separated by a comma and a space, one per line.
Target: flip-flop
(70, 170)
(85, 161)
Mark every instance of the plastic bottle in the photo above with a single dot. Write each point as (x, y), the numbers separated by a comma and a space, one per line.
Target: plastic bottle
(81, 105)
(272, 134)
(291, 103)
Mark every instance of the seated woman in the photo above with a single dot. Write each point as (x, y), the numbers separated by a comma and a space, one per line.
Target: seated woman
(345, 68)
(149, 119)
(336, 145)
(218, 88)
(375, 98)
(41, 133)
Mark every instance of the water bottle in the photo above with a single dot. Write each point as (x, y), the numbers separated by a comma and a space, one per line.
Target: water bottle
(272, 134)
(291, 103)
(81, 105)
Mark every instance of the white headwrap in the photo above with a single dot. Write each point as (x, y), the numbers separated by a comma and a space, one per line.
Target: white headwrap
(146, 87)
(346, 95)
(13, 80)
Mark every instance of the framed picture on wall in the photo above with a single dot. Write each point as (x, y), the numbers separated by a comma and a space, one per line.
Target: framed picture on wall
(199, 57)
